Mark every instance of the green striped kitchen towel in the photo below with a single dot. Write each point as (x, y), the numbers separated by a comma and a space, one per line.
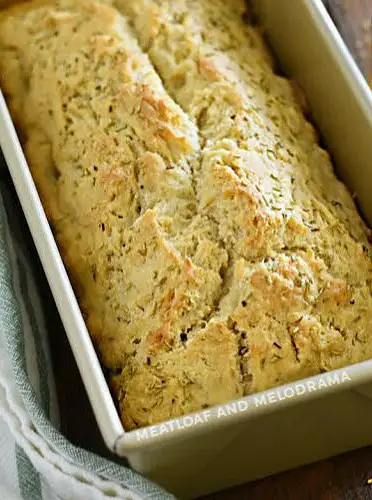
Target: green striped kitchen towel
(36, 461)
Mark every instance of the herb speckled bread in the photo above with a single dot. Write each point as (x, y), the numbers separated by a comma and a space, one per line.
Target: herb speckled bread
(212, 249)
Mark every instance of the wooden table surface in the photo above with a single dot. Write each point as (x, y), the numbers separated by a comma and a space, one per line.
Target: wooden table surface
(341, 478)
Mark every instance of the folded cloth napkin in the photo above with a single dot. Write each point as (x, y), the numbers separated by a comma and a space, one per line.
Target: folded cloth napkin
(36, 461)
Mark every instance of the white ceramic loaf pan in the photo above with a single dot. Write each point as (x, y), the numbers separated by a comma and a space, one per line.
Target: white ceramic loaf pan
(276, 430)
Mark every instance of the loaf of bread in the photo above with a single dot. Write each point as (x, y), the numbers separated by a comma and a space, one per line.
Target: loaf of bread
(212, 249)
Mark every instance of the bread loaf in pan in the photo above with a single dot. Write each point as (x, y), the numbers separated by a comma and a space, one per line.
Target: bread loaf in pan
(212, 249)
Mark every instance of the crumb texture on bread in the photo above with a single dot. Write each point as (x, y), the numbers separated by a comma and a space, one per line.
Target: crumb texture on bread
(212, 249)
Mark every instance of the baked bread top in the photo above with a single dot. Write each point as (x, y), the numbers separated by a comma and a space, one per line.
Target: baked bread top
(213, 251)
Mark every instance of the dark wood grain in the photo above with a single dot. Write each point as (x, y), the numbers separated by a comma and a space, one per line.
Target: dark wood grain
(341, 478)
(354, 21)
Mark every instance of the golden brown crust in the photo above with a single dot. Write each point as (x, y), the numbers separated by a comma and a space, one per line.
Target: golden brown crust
(212, 249)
